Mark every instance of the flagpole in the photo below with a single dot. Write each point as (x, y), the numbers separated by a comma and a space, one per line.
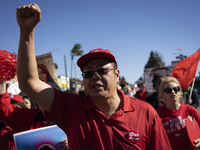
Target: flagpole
(192, 87)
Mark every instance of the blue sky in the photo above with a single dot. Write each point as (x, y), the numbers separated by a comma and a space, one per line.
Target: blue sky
(130, 29)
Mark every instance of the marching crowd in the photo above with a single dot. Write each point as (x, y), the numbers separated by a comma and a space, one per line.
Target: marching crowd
(173, 106)
(105, 118)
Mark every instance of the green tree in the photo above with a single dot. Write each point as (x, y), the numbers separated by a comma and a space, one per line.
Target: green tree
(155, 60)
(122, 81)
(75, 52)
(141, 78)
(122, 78)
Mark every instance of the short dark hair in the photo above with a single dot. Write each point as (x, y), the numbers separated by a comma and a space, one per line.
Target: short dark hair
(114, 65)
(33, 104)
(140, 84)
(156, 77)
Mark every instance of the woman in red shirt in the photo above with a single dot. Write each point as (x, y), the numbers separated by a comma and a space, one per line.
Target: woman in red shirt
(173, 115)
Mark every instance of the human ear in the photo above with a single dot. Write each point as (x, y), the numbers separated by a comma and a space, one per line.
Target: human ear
(117, 72)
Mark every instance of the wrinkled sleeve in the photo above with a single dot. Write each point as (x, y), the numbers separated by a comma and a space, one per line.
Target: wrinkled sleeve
(60, 111)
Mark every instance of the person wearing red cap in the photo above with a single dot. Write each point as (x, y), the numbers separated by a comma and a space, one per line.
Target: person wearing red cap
(6, 133)
(14, 118)
(105, 119)
(16, 100)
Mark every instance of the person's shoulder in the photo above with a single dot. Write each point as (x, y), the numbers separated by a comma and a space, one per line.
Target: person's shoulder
(188, 107)
(185, 105)
(143, 109)
(67, 97)
(161, 108)
(140, 104)
(65, 94)
(137, 101)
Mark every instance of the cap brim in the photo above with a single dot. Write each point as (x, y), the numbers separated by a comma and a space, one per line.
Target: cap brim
(87, 57)
(17, 98)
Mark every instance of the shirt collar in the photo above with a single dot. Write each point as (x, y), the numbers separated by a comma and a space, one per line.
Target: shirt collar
(127, 103)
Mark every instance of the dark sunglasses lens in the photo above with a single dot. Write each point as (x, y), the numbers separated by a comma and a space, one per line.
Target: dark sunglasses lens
(102, 71)
(168, 90)
(88, 74)
(176, 89)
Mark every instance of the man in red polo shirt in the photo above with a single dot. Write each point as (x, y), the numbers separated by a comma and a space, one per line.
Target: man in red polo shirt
(105, 119)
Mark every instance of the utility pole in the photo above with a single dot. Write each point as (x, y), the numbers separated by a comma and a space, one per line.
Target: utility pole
(75, 77)
(65, 70)
(65, 65)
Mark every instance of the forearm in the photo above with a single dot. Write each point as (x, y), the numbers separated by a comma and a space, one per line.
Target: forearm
(26, 62)
(27, 72)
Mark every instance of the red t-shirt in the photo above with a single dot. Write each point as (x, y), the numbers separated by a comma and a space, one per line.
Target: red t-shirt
(88, 128)
(142, 95)
(174, 122)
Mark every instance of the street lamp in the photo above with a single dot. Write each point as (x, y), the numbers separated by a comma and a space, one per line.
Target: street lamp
(55, 50)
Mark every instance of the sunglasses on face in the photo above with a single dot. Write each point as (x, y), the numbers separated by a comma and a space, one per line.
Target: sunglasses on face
(169, 89)
(90, 74)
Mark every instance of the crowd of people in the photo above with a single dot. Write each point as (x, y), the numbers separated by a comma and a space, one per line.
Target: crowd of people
(173, 106)
(154, 99)
(19, 113)
(102, 117)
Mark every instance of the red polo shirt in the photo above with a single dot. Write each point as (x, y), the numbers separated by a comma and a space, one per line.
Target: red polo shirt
(135, 126)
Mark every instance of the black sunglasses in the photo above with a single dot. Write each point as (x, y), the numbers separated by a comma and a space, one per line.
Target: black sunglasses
(90, 74)
(169, 90)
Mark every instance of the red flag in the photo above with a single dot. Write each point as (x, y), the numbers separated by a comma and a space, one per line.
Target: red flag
(185, 70)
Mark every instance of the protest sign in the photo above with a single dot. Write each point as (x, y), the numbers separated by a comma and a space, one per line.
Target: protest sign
(46, 69)
(148, 75)
(41, 138)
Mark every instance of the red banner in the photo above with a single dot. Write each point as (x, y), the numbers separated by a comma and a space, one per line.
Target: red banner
(185, 70)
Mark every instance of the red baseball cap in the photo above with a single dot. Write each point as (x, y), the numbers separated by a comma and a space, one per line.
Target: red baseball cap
(16, 98)
(95, 53)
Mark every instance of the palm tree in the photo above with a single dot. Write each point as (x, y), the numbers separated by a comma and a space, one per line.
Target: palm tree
(75, 52)
(56, 65)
